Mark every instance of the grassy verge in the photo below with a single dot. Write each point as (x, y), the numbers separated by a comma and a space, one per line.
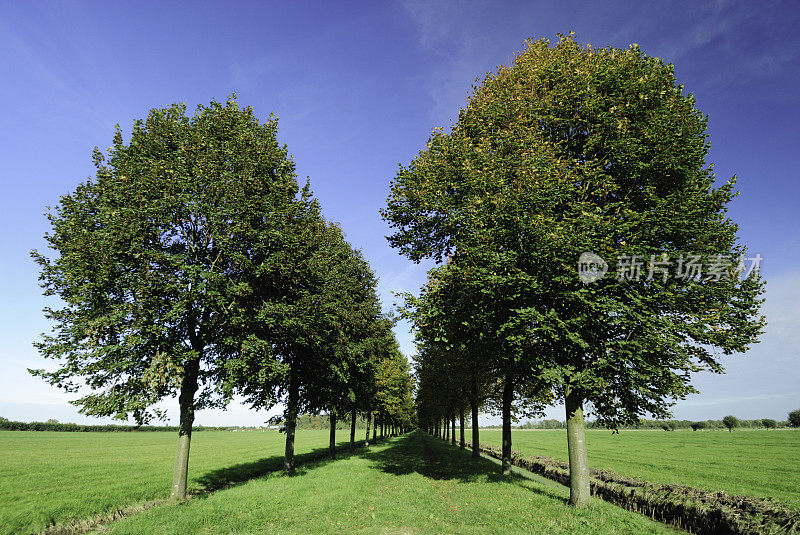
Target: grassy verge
(686, 507)
(51, 478)
(412, 484)
(763, 463)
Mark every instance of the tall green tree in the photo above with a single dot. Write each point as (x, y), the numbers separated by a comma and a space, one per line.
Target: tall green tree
(794, 418)
(316, 332)
(154, 258)
(574, 149)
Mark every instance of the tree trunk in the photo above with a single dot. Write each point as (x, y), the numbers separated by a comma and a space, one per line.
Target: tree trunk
(375, 429)
(332, 446)
(369, 418)
(508, 398)
(291, 422)
(353, 416)
(461, 422)
(453, 434)
(473, 405)
(180, 473)
(446, 429)
(579, 491)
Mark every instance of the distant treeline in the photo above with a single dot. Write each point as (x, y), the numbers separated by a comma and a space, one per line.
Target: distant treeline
(323, 421)
(7, 425)
(765, 423)
(304, 421)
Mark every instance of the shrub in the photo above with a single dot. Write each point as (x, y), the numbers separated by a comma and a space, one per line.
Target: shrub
(730, 422)
(794, 418)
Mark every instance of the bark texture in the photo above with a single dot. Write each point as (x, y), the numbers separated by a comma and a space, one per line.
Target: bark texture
(332, 445)
(579, 491)
(461, 421)
(508, 398)
(180, 473)
(352, 446)
(291, 423)
(473, 405)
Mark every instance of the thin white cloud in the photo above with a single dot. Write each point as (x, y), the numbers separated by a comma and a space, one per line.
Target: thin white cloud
(705, 402)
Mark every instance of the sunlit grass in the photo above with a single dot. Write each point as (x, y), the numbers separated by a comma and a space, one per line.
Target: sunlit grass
(413, 484)
(50, 477)
(764, 463)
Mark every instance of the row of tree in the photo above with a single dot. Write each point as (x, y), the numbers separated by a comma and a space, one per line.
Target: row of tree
(570, 152)
(643, 423)
(55, 425)
(193, 265)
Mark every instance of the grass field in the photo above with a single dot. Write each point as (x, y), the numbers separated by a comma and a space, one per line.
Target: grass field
(50, 477)
(412, 484)
(764, 463)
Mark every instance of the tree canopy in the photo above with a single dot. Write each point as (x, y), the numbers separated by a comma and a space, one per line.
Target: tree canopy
(193, 265)
(574, 150)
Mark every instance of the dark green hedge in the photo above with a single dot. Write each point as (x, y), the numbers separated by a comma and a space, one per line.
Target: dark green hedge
(6, 425)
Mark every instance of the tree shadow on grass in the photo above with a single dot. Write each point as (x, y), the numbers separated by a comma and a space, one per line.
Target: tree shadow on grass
(238, 474)
(420, 453)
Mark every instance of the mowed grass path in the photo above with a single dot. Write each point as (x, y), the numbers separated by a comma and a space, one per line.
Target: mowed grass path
(763, 463)
(410, 484)
(50, 477)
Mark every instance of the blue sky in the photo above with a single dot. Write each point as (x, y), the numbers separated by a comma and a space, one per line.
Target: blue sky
(358, 88)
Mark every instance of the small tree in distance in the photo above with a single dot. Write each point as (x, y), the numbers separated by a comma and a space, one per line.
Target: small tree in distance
(769, 423)
(698, 425)
(794, 418)
(730, 422)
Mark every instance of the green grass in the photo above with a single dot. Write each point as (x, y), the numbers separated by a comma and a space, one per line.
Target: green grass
(764, 463)
(412, 484)
(51, 477)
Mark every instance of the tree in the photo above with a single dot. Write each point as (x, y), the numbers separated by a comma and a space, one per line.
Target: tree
(394, 397)
(698, 425)
(157, 258)
(321, 332)
(769, 423)
(794, 418)
(576, 150)
(731, 422)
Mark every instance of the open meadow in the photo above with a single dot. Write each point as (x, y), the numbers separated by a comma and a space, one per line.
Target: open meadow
(413, 483)
(763, 463)
(410, 484)
(51, 477)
